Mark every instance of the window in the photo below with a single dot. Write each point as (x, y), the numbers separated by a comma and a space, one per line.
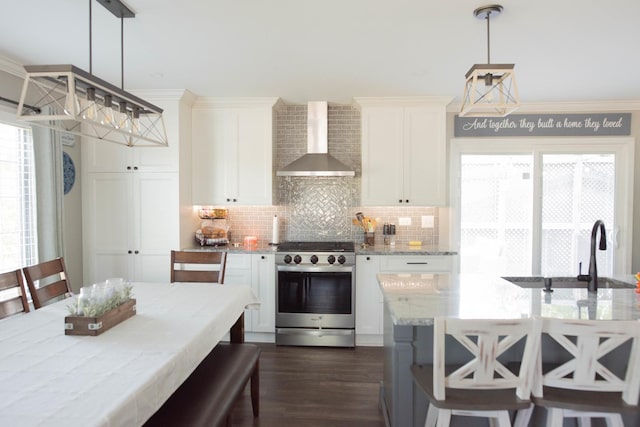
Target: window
(528, 207)
(18, 236)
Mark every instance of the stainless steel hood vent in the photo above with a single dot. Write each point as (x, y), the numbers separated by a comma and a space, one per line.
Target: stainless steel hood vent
(317, 161)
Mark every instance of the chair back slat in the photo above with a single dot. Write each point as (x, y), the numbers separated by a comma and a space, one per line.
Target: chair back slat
(13, 298)
(486, 340)
(586, 342)
(198, 266)
(46, 281)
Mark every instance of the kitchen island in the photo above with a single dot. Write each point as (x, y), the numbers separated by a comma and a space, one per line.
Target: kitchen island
(411, 301)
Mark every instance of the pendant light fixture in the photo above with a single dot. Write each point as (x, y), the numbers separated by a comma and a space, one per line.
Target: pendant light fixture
(75, 101)
(490, 89)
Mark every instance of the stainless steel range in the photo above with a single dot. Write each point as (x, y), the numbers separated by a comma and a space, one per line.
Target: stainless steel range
(315, 298)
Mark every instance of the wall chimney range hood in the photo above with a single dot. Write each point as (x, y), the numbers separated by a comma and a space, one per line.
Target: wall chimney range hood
(317, 161)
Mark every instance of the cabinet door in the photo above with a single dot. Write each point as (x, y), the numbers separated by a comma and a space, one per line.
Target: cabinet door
(369, 300)
(254, 171)
(263, 272)
(238, 272)
(424, 163)
(382, 172)
(232, 155)
(107, 226)
(156, 224)
(100, 156)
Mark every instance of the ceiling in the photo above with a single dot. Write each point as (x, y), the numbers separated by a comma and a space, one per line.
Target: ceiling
(334, 50)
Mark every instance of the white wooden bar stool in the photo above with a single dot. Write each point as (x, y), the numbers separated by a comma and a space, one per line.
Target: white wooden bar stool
(483, 386)
(583, 387)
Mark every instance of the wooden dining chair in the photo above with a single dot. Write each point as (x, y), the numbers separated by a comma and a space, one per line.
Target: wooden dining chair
(198, 266)
(12, 286)
(471, 375)
(583, 387)
(46, 281)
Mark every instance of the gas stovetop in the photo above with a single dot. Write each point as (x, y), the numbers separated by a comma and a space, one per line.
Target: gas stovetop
(316, 247)
(316, 254)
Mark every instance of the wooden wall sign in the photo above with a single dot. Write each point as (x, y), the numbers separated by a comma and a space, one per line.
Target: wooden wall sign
(522, 125)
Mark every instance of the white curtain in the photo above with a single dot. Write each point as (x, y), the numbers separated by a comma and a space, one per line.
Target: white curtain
(49, 191)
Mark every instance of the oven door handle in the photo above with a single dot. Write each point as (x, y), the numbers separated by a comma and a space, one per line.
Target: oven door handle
(312, 269)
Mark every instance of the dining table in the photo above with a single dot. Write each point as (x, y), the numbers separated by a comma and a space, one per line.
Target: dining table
(124, 375)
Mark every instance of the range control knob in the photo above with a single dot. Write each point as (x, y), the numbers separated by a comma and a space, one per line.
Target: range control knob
(341, 259)
(314, 259)
(287, 259)
(297, 259)
(331, 259)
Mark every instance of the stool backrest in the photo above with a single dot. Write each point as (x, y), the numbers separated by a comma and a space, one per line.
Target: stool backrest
(198, 266)
(485, 340)
(12, 286)
(46, 281)
(586, 343)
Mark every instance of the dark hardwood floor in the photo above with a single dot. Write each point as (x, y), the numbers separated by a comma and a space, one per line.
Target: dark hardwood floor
(315, 387)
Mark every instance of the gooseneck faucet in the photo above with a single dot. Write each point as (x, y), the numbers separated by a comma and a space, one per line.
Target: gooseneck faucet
(592, 278)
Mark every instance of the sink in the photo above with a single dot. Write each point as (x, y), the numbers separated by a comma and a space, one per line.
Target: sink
(568, 282)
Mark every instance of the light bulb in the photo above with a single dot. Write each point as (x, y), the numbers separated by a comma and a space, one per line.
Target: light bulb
(90, 111)
(71, 104)
(123, 118)
(107, 112)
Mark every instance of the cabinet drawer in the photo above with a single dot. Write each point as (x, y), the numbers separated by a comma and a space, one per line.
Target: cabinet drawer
(416, 263)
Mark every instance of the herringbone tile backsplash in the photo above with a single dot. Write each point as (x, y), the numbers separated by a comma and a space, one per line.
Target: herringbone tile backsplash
(321, 208)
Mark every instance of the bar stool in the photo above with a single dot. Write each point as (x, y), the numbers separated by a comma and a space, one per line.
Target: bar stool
(582, 387)
(455, 389)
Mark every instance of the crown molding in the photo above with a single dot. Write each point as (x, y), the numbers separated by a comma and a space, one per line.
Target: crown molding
(11, 66)
(569, 106)
(210, 101)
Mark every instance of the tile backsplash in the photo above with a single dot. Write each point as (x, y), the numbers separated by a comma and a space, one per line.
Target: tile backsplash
(322, 208)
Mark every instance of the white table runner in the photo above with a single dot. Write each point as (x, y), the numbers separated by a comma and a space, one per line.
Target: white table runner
(119, 378)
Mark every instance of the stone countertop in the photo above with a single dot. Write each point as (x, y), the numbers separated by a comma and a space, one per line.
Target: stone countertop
(403, 249)
(230, 249)
(370, 250)
(415, 299)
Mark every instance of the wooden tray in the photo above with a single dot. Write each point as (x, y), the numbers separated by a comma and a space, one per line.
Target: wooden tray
(81, 325)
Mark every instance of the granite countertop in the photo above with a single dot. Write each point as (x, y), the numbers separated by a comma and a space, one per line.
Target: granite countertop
(403, 249)
(415, 299)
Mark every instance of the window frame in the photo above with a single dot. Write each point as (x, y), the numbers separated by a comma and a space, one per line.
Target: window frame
(621, 147)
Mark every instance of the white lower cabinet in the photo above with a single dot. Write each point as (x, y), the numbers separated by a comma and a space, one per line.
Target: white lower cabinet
(259, 271)
(369, 299)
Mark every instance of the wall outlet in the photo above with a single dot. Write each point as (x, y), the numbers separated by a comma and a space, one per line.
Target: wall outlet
(404, 220)
(427, 221)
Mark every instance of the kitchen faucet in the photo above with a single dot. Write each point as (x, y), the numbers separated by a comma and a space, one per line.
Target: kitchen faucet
(592, 277)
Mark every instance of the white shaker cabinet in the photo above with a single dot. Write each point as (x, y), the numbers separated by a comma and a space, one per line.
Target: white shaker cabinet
(233, 145)
(132, 225)
(258, 271)
(263, 282)
(368, 300)
(404, 159)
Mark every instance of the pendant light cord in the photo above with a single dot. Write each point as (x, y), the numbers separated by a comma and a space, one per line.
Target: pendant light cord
(488, 18)
(122, 51)
(90, 40)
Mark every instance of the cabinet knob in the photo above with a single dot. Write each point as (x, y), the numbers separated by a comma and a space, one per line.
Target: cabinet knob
(136, 252)
(135, 168)
(406, 201)
(400, 201)
(262, 257)
(368, 258)
(129, 252)
(128, 168)
(234, 200)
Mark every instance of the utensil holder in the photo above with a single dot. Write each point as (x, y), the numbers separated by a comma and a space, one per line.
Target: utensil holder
(370, 238)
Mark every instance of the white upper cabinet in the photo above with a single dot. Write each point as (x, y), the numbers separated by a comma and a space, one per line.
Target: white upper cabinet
(233, 145)
(404, 151)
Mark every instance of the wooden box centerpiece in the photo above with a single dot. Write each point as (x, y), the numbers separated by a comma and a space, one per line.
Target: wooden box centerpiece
(100, 308)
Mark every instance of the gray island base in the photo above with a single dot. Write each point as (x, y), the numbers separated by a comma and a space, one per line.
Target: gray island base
(411, 301)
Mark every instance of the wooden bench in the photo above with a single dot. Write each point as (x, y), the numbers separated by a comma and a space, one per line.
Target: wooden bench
(207, 397)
